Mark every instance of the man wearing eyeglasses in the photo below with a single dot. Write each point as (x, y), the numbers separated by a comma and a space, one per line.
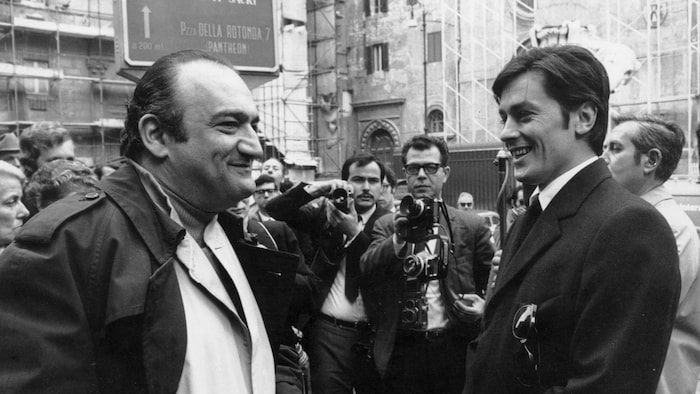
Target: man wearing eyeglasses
(465, 201)
(642, 152)
(588, 282)
(340, 335)
(426, 355)
(265, 190)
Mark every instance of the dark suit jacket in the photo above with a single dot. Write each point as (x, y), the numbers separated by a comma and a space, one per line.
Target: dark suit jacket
(467, 272)
(602, 267)
(292, 207)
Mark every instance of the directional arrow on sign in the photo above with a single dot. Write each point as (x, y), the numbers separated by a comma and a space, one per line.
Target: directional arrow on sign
(146, 22)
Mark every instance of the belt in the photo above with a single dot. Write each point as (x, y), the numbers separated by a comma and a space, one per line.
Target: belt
(358, 325)
(426, 335)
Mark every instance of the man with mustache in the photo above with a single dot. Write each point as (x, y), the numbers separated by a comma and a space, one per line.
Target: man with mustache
(588, 283)
(423, 349)
(339, 340)
(148, 285)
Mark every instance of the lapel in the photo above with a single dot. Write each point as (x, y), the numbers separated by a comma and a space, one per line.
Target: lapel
(378, 212)
(547, 228)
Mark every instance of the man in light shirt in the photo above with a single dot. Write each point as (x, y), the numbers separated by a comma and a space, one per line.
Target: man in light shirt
(340, 225)
(642, 151)
(148, 285)
(588, 264)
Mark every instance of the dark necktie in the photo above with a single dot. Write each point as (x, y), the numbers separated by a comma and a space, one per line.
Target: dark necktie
(532, 213)
(352, 274)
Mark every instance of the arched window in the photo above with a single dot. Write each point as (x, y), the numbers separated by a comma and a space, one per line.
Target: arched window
(436, 121)
(381, 145)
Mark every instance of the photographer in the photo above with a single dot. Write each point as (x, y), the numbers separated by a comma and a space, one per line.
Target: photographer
(339, 226)
(422, 326)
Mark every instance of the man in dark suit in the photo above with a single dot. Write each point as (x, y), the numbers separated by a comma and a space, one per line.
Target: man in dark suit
(340, 332)
(588, 282)
(422, 349)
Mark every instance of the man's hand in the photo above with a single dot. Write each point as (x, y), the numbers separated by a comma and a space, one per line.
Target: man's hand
(400, 227)
(346, 223)
(325, 188)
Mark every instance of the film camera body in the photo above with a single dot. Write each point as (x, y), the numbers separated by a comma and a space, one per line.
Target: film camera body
(424, 265)
(341, 199)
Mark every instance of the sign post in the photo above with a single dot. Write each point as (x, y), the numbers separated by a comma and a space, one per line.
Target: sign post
(243, 31)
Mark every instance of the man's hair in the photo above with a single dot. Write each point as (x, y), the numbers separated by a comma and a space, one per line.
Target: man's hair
(572, 77)
(424, 142)
(156, 94)
(57, 179)
(263, 179)
(390, 177)
(654, 132)
(362, 159)
(39, 138)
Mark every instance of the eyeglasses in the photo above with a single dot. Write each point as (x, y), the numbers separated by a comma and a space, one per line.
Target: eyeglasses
(429, 168)
(524, 330)
(466, 204)
(262, 192)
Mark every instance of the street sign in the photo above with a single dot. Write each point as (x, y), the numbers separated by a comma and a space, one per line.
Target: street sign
(244, 31)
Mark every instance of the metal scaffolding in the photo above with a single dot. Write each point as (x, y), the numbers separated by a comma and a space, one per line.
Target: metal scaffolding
(663, 35)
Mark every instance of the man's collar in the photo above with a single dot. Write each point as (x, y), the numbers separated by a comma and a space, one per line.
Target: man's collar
(365, 216)
(550, 191)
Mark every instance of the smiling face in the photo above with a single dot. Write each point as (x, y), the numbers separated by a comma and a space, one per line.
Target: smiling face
(366, 182)
(212, 169)
(623, 159)
(12, 211)
(543, 145)
(423, 184)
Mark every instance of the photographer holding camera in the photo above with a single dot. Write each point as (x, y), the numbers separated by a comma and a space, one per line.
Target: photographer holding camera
(425, 264)
(340, 227)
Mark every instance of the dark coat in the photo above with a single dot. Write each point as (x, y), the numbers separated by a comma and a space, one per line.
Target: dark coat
(602, 267)
(89, 300)
(467, 272)
(292, 207)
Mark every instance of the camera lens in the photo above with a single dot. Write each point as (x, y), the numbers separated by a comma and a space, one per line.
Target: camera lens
(413, 265)
(409, 316)
(411, 207)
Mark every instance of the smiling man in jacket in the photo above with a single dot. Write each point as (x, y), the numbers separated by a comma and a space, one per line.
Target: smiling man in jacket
(147, 285)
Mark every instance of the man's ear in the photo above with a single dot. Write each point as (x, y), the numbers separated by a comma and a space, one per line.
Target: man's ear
(446, 169)
(585, 118)
(652, 160)
(152, 136)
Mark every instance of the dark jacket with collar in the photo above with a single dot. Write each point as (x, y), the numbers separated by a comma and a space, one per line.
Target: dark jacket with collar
(467, 272)
(293, 208)
(602, 267)
(89, 300)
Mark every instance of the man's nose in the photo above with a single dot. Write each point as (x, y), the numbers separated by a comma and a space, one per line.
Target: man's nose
(249, 144)
(509, 132)
(606, 156)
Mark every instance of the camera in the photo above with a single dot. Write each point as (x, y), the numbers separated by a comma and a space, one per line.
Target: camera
(341, 199)
(421, 215)
(414, 311)
(430, 263)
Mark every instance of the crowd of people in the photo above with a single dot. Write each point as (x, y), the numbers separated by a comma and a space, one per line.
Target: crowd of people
(161, 277)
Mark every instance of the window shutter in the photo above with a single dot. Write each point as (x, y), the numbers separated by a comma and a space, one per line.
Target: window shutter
(368, 60)
(384, 6)
(385, 56)
(366, 6)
